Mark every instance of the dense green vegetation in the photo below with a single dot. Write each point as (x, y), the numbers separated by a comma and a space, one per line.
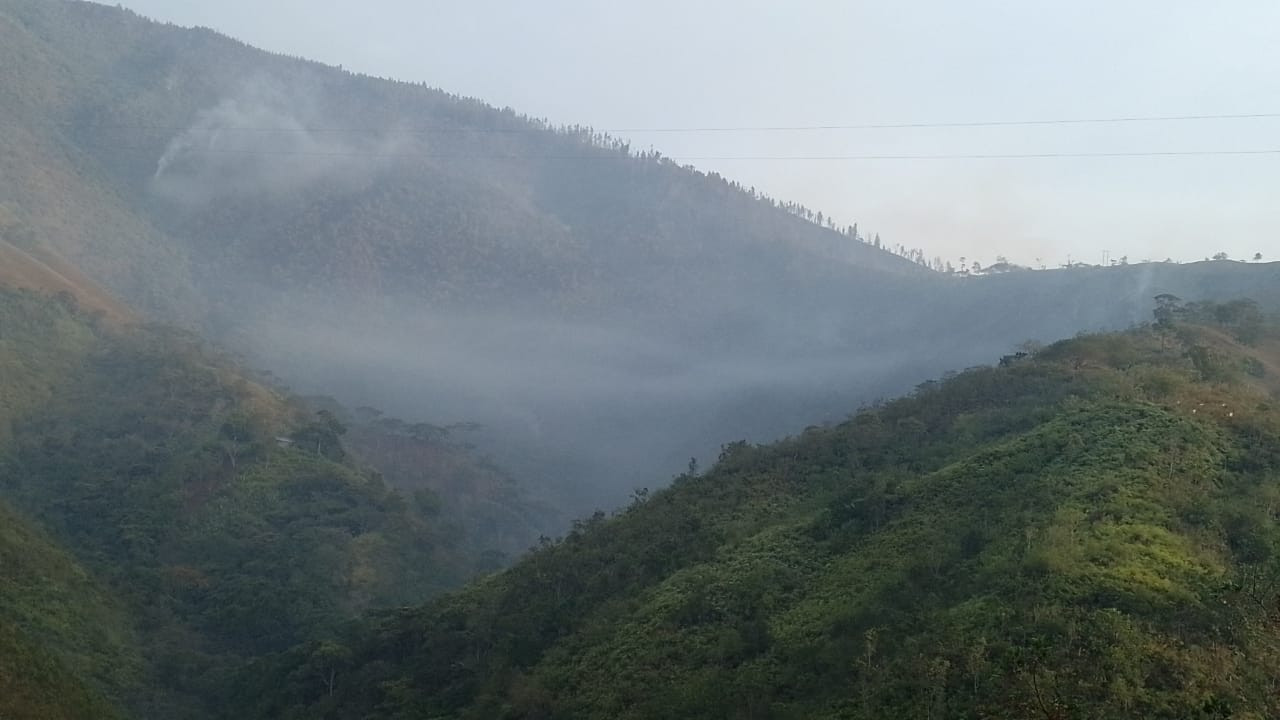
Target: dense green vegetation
(437, 468)
(200, 539)
(1089, 532)
(35, 686)
(60, 631)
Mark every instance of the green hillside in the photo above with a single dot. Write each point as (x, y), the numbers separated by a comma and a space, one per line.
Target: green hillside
(35, 686)
(1089, 532)
(64, 644)
(176, 520)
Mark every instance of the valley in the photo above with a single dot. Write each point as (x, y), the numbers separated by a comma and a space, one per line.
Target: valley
(331, 396)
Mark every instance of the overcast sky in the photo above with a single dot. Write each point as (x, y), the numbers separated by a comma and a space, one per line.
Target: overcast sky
(701, 63)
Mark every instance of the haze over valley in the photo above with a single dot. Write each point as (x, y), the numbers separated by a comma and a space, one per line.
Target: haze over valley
(286, 347)
(606, 313)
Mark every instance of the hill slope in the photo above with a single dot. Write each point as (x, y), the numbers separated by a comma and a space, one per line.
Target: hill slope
(605, 312)
(1087, 533)
(35, 686)
(63, 642)
(43, 271)
(161, 535)
(430, 196)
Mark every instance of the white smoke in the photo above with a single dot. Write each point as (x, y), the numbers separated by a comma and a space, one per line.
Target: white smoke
(265, 140)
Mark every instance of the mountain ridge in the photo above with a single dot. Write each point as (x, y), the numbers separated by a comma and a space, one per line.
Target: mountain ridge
(1083, 528)
(656, 311)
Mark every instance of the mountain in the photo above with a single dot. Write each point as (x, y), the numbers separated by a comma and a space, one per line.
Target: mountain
(165, 519)
(603, 311)
(520, 323)
(258, 169)
(214, 185)
(1086, 532)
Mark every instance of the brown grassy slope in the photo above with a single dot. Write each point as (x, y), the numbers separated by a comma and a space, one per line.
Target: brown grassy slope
(1266, 352)
(43, 271)
(56, 192)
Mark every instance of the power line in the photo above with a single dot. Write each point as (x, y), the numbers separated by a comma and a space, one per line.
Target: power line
(960, 124)
(1001, 156)
(604, 155)
(708, 129)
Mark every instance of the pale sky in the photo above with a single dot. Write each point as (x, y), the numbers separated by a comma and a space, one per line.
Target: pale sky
(718, 63)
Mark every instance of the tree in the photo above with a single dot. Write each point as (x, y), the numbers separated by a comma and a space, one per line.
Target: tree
(327, 658)
(424, 432)
(1243, 316)
(323, 434)
(1207, 363)
(1168, 307)
(238, 436)
(1221, 256)
(1257, 257)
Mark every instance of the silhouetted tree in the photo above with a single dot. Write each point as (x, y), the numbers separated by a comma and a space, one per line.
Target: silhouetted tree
(323, 434)
(1167, 309)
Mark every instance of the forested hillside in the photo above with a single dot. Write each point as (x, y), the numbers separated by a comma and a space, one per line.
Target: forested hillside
(1086, 532)
(176, 520)
(64, 643)
(257, 167)
(605, 312)
(479, 325)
